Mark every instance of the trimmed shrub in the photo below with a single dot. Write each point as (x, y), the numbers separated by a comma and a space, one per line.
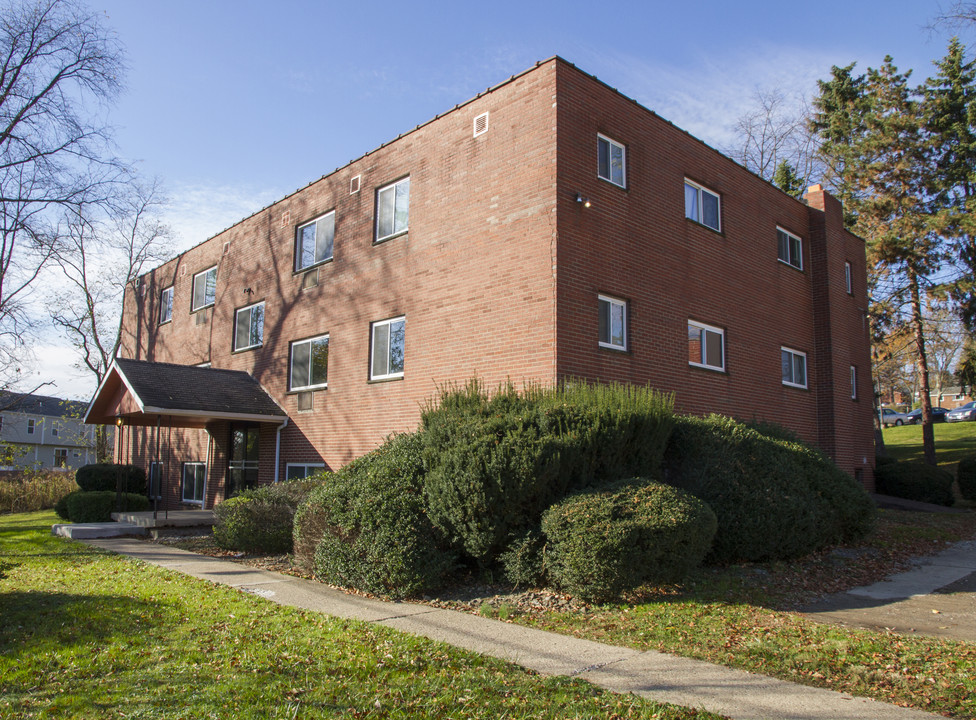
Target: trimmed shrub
(261, 519)
(34, 490)
(774, 499)
(105, 476)
(495, 463)
(523, 561)
(915, 481)
(98, 506)
(375, 535)
(607, 541)
(966, 477)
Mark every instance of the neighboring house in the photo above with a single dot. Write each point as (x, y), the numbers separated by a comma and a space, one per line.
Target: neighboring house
(551, 228)
(37, 431)
(951, 397)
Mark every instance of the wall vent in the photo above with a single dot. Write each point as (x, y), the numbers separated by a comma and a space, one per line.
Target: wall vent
(201, 316)
(304, 400)
(285, 219)
(226, 247)
(481, 124)
(354, 184)
(310, 279)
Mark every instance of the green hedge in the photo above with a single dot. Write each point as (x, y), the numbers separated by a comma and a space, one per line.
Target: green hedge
(966, 477)
(774, 499)
(261, 519)
(495, 462)
(608, 541)
(915, 481)
(105, 476)
(97, 506)
(369, 527)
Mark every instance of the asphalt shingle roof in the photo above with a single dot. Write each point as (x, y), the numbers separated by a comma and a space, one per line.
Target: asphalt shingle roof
(40, 405)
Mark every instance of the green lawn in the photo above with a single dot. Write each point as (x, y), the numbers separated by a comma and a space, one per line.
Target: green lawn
(88, 634)
(952, 442)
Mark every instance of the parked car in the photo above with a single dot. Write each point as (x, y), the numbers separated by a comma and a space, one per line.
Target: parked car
(893, 417)
(938, 415)
(962, 414)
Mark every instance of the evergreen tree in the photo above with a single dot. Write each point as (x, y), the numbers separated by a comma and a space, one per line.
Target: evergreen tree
(787, 180)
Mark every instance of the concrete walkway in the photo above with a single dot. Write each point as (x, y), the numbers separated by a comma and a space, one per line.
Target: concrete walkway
(657, 676)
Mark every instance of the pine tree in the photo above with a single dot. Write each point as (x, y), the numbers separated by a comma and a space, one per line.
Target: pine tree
(787, 180)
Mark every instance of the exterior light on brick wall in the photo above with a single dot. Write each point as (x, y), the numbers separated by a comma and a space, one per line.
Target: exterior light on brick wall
(585, 202)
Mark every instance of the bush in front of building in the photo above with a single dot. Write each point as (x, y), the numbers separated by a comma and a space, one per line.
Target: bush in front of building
(33, 490)
(607, 541)
(495, 461)
(369, 526)
(916, 481)
(966, 477)
(106, 476)
(97, 506)
(261, 519)
(774, 499)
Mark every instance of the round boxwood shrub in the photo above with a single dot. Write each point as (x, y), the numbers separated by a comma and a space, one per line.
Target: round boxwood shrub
(106, 476)
(98, 505)
(916, 481)
(523, 561)
(966, 477)
(604, 542)
(372, 531)
(774, 499)
(261, 519)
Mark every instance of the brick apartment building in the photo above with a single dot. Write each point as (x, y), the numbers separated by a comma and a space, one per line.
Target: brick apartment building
(549, 228)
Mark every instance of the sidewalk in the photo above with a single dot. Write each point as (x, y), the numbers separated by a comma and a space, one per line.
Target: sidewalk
(657, 676)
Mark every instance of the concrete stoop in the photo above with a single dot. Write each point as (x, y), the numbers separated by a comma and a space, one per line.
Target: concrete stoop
(87, 531)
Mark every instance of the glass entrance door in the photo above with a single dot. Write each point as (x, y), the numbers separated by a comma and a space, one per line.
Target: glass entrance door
(242, 468)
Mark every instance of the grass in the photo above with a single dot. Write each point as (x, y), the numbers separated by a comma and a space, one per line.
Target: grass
(90, 634)
(953, 441)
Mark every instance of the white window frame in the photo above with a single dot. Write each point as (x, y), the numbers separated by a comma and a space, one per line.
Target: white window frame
(314, 466)
(291, 364)
(55, 429)
(601, 141)
(31, 426)
(703, 363)
(391, 191)
(848, 278)
(327, 218)
(377, 327)
(790, 239)
(250, 326)
(702, 190)
(208, 301)
(853, 382)
(166, 305)
(613, 302)
(195, 464)
(64, 451)
(806, 367)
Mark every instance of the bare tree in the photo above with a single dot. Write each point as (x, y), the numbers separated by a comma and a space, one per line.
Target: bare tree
(958, 14)
(58, 68)
(946, 337)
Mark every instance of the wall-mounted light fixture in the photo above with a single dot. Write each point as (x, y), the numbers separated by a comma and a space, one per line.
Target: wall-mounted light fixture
(585, 202)
(247, 291)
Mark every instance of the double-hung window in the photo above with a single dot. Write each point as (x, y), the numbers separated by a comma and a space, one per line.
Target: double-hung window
(702, 205)
(204, 289)
(790, 248)
(166, 305)
(392, 209)
(611, 161)
(313, 241)
(386, 355)
(194, 482)
(249, 327)
(706, 346)
(60, 457)
(613, 323)
(31, 423)
(310, 363)
(794, 367)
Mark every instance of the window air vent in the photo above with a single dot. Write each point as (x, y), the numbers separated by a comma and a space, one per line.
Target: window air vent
(310, 279)
(304, 400)
(481, 124)
(201, 317)
(354, 184)
(285, 219)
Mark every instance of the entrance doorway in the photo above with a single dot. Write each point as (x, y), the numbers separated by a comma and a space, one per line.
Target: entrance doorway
(242, 469)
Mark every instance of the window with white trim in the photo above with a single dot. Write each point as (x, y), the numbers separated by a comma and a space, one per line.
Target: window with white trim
(310, 363)
(166, 305)
(611, 161)
(386, 353)
(706, 346)
(392, 209)
(613, 323)
(249, 327)
(194, 482)
(204, 289)
(702, 205)
(848, 279)
(60, 457)
(54, 430)
(314, 240)
(853, 382)
(790, 248)
(300, 471)
(31, 423)
(794, 367)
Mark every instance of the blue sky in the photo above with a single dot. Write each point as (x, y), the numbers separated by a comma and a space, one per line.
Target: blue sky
(232, 105)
